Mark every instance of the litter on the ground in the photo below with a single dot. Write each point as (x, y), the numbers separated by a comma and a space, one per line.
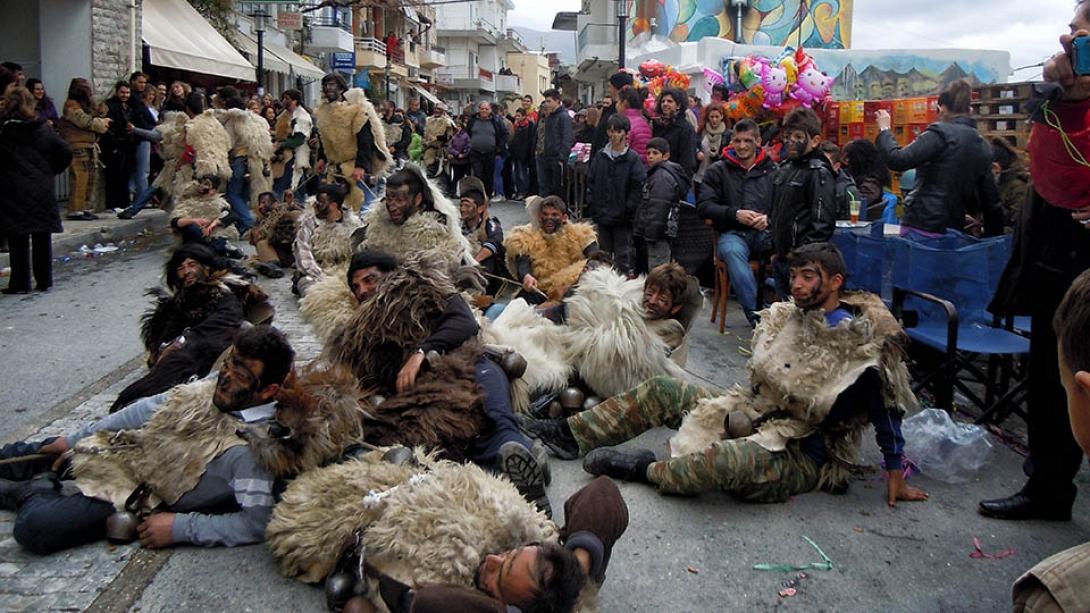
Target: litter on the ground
(825, 564)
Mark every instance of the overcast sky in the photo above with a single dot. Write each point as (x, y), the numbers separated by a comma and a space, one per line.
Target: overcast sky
(1028, 30)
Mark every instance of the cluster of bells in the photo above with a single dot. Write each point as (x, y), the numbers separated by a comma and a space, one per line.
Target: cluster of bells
(571, 400)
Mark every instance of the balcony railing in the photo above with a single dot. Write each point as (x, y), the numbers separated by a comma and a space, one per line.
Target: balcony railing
(372, 45)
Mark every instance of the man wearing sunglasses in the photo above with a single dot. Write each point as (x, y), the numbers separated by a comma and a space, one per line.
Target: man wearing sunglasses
(175, 459)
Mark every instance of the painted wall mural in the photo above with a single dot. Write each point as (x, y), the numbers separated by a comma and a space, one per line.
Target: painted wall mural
(821, 24)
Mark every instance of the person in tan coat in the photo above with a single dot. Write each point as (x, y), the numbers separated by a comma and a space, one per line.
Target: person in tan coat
(81, 123)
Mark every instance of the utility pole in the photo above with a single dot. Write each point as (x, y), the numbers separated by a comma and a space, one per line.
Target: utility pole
(259, 16)
(622, 18)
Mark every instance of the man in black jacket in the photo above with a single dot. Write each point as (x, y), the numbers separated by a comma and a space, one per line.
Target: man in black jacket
(615, 189)
(487, 139)
(736, 197)
(803, 206)
(672, 125)
(558, 142)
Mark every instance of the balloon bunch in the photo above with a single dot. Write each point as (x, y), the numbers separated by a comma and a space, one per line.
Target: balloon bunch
(656, 76)
(777, 85)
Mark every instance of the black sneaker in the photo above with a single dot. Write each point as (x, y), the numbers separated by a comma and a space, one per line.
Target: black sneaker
(524, 471)
(554, 433)
(626, 465)
(269, 270)
(126, 214)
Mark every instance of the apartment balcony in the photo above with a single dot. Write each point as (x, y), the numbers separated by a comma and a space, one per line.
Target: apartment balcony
(466, 78)
(512, 42)
(435, 57)
(596, 52)
(480, 29)
(507, 83)
(328, 39)
(371, 55)
(409, 55)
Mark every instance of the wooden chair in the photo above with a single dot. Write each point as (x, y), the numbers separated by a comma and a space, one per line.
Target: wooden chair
(721, 292)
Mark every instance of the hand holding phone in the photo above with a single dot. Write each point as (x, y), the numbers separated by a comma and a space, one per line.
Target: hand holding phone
(1080, 55)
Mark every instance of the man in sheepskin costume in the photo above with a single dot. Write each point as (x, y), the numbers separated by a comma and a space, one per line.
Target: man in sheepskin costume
(273, 236)
(249, 156)
(203, 216)
(196, 463)
(193, 321)
(291, 156)
(323, 241)
(414, 338)
(548, 254)
(383, 506)
(484, 232)
(353, 141)
(824, 366)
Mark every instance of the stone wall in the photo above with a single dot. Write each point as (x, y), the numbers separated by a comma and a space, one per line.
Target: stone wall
(111, 44)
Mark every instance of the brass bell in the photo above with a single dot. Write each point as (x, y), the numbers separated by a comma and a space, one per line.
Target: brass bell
(513, 364)
(738, 425)
(555, 410)
(398, 456)
(591, 402)
(339, 587)
(572, 398)
(121, 527)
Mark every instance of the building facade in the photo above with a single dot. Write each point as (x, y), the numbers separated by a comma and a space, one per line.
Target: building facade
(477, 43)
(397, 51)
(532, 70)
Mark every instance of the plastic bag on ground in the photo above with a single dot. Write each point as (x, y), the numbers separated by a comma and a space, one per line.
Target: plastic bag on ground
(944, 449)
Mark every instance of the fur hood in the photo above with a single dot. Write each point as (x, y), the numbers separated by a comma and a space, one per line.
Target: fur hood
(393, 508)
(607, 337)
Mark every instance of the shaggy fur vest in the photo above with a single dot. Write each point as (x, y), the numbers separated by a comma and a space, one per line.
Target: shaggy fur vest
(328, 305)
(171, 149)
(338, 125)
(428, 524)
(212, 206)
(331, 242)
(799, 367)
(211, 145)
(557, 258)
(541, 342)
(185, 308)
(170, 453)
(435, 128)
(249, 135)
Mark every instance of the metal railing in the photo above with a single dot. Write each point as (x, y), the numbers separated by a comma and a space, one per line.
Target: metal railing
(371, 44)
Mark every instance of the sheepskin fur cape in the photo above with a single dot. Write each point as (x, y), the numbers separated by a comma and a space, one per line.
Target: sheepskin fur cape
(799, 367)
(328, 304)
(211, 145)
(521, 328)
(250, 137)
(437, 230)
(607, 337)
(211, 206)
(172, 451)
(331, 242)
(558, 258)
(428, 524)
(171, 149)
(338, 124)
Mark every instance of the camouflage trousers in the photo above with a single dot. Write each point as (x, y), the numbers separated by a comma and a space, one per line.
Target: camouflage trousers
(738, 466)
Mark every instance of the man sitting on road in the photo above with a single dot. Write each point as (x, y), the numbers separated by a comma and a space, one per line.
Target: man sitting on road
(180, 446)
(273, 235)
(809, 403)
(324, 238)
(548, 254)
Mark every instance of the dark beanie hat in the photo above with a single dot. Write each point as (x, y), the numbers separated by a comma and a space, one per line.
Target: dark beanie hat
(620, 79)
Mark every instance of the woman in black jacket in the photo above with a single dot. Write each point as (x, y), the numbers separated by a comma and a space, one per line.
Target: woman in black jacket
(31, 154)
(671, 124)
(953, 169)
(118, 148)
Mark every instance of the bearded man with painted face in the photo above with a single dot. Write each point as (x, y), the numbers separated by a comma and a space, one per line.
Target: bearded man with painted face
(548, 254)
(804, 202)
(323, 241)
(353, 141)
(825, 365)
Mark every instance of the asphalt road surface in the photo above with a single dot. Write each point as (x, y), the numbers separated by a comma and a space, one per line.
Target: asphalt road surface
(63, 355)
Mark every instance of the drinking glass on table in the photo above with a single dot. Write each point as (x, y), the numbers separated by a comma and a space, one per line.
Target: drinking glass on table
(853, 208)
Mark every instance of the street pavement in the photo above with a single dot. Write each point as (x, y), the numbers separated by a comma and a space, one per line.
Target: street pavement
(62, 365)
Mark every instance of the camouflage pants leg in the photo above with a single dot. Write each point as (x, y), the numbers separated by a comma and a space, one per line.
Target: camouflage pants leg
(659, 401)
(741, 467)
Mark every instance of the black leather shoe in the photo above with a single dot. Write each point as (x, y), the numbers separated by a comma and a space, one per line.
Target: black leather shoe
(555, 433)
(626, 465)
(1021, 506)
(13, 493)
(526, 473)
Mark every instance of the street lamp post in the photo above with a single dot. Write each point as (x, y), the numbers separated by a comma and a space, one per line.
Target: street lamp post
(622, 17)
(259, 16)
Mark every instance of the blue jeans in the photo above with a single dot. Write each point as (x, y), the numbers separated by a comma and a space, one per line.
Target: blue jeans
(497, 406)
(283, 184)
(494, 311)
(238, 194)
(520, 173)
(497, 176)
(138, 182)
(142, 199)
(736, 249)
(370, 195)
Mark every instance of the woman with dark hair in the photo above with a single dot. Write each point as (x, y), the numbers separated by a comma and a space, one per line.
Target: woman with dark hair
(176, 95)
(630, 104)
(118, 148)
(672, 124)
(31, 154)
(80, 127)
(953, 169)
(872, 179)
(714, 137)
(47, 111)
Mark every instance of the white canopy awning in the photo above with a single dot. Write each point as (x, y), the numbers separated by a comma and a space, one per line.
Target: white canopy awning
(248, 47)
(178, 37)
(424, 92)
(299, 64)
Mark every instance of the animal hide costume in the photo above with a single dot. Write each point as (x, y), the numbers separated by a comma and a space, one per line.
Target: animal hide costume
(210, 145)
(331, 242)
(288, 123)
(608, 340)
(799, 367)
(427, 524)
(521, 328)
(278, 229)
(436, 228)
(171, 149)
(338, 124)
(557, 258)
(328, 305)
(443, 410)
(250, 138)
(211, 206)
(172, 450)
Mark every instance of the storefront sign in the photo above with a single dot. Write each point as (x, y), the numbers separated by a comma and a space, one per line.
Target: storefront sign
(289, 20)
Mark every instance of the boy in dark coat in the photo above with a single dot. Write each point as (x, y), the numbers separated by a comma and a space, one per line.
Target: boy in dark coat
(614, 191)
(663, 191)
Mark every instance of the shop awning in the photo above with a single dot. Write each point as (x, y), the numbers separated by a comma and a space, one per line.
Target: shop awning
(424, 92)
(248, 47)
(178, 37)
(299, 64)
